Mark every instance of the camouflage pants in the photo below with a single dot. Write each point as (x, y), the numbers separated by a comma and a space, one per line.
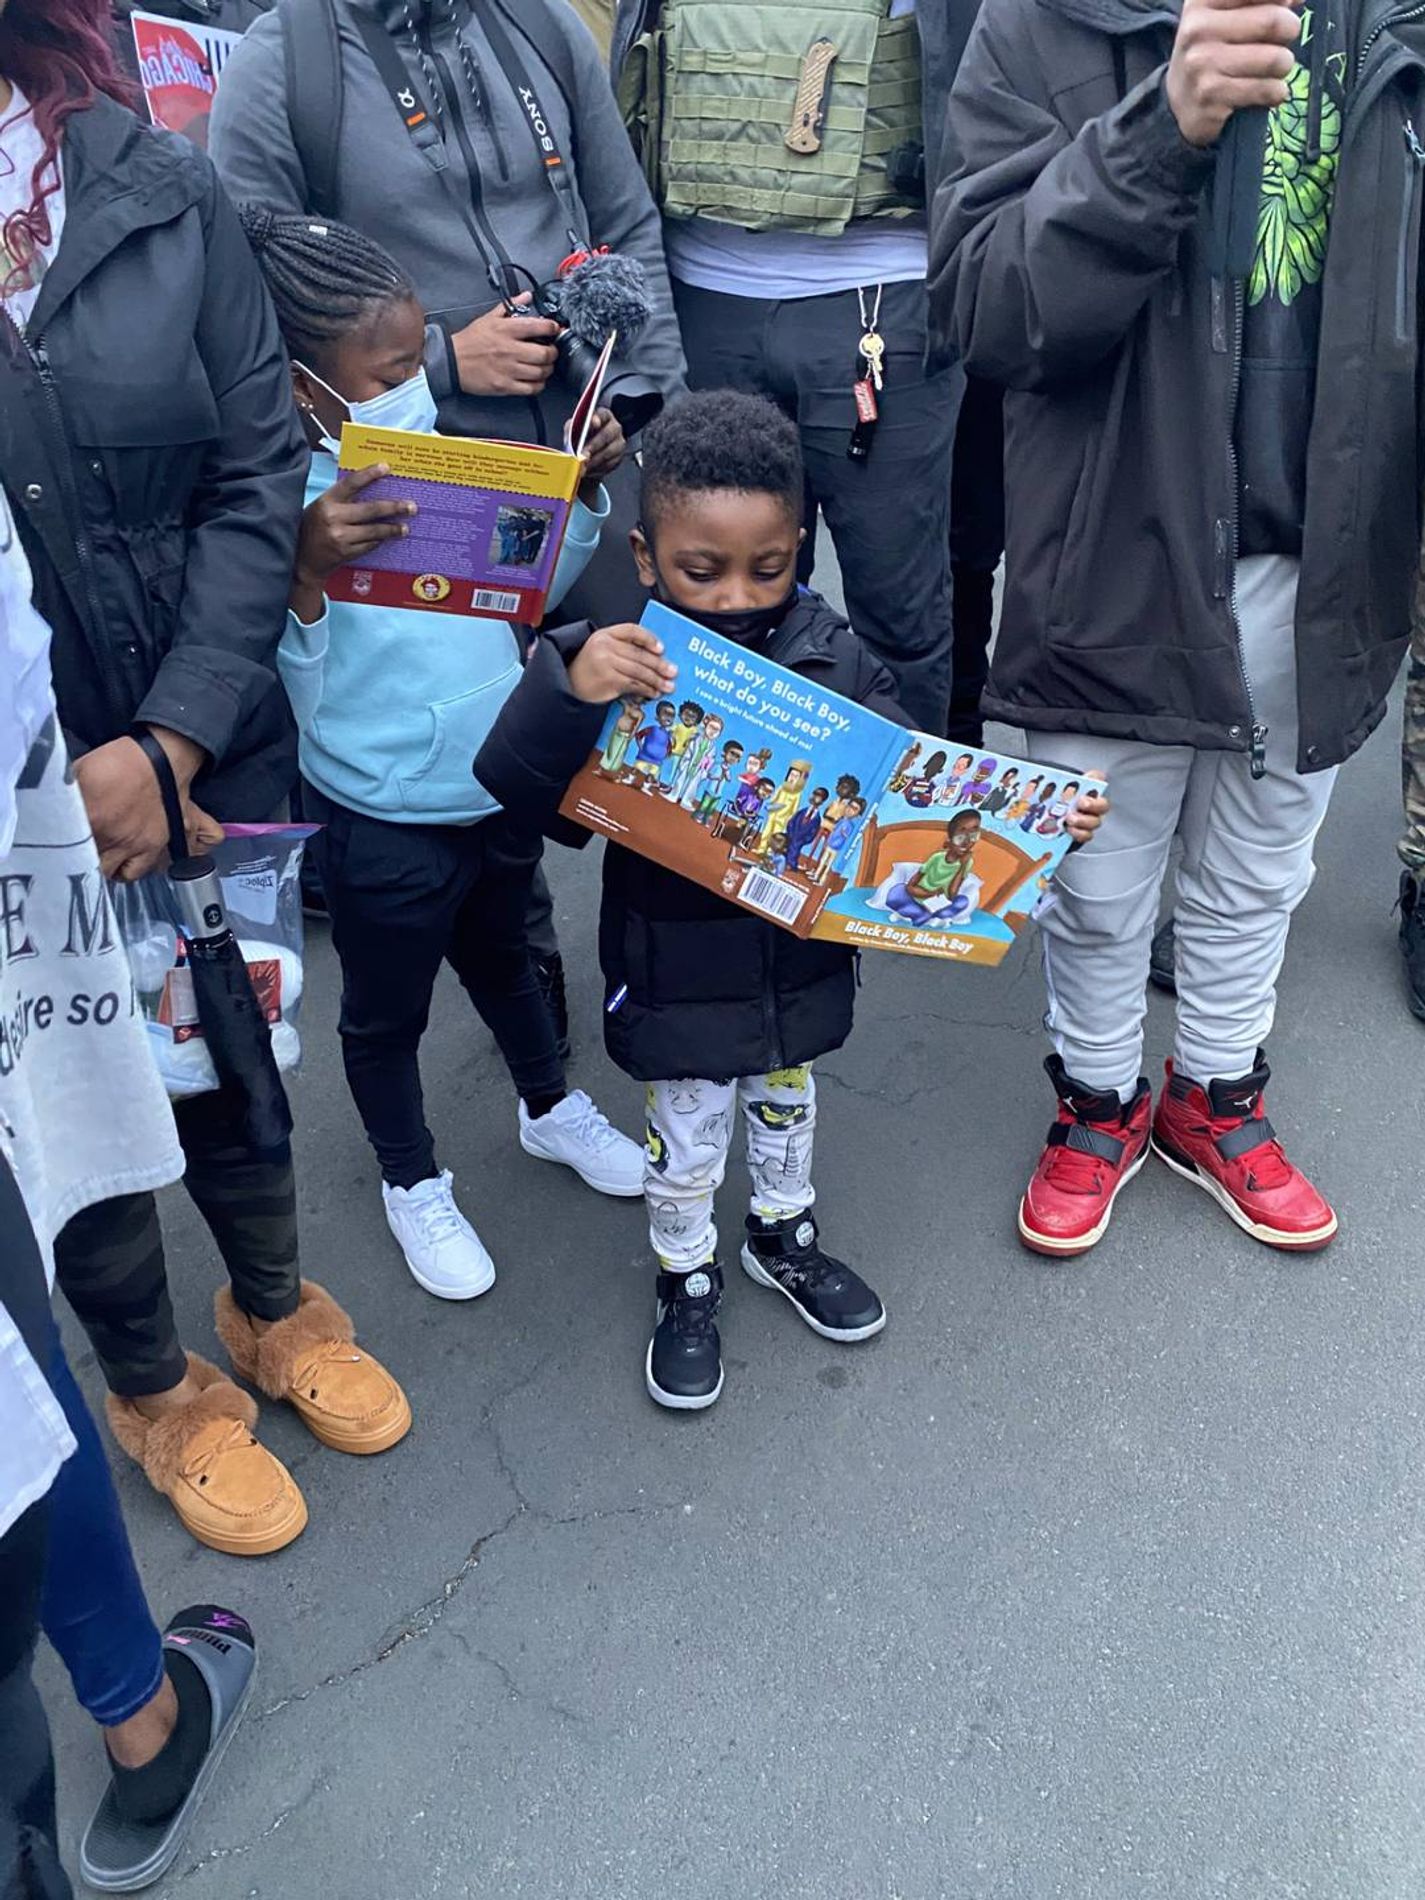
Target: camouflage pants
(1412, 747)
(109, 1260)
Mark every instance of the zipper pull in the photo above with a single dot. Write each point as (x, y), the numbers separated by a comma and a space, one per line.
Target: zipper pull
(1413, 145)
(1257, 756)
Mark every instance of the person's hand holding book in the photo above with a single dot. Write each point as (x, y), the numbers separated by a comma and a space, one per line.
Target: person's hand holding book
(1088, 813)
(623, 662)
(604, 450)
(339, 527)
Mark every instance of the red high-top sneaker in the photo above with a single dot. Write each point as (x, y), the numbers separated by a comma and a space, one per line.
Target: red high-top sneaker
(1095, 1148)
(1220, 1138)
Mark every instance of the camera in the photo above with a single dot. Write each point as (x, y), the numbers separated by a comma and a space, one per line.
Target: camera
(591, 295)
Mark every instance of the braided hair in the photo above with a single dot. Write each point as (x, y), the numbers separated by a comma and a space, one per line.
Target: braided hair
(325, 278)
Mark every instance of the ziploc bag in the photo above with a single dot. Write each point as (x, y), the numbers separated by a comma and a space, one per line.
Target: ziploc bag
(259, 867)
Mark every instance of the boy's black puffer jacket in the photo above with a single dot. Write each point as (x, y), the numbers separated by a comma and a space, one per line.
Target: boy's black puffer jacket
(712, 990)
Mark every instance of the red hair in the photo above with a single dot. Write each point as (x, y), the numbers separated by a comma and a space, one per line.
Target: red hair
(59, 54)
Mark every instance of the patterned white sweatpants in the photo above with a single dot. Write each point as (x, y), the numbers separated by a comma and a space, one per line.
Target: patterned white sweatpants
(688, 1137)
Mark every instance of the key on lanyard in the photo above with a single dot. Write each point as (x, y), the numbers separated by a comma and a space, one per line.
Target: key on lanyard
(867, 412)
(869, 377)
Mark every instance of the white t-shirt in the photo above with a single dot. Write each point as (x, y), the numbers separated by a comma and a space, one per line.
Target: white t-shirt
(21, 149)
(779, 265)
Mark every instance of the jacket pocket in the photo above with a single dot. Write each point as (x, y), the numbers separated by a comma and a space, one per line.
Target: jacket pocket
(445, 778)
(709, 960)
(137, 415)
(1072, 551)
(145, 442)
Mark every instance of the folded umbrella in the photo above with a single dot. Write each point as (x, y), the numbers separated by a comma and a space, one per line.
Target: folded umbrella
(233, 1024)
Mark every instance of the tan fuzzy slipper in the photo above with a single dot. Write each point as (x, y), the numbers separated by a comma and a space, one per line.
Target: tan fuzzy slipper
(347, 1399)
(230, 1492)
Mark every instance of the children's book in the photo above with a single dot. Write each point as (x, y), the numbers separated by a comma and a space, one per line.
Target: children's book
(819, 814)
(178, 69)
(489, 522)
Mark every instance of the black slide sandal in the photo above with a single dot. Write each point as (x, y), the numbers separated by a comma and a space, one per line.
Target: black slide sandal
(122, 1856)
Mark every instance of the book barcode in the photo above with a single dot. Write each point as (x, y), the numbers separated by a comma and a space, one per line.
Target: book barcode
(772, 896)
(490, 600)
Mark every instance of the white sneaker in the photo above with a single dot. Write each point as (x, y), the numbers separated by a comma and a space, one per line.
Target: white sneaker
(443, 1251)
(578, 1135)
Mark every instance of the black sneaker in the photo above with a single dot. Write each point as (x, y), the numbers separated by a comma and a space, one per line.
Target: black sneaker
(1163, 960)
(550, 973)
(833, 1300)
(1412, 939)
(684, 1366)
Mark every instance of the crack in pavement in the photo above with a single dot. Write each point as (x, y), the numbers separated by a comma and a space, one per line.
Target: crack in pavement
(516, 1692)
(426, 1615)
(319, 1786)
(416, 1623)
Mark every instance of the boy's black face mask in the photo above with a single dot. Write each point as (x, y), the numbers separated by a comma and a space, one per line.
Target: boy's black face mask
(752, 628)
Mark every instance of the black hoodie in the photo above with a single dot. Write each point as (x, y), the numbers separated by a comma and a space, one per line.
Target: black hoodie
(1281, 314)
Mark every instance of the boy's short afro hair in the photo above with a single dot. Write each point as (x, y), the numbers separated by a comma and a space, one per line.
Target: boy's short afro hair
(720, 438)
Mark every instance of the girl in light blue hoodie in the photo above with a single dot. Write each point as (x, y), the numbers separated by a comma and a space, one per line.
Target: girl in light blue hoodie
(419, 864)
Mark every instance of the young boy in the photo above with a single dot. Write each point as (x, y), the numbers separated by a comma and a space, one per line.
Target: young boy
(710, 1006)
(654, 745)
(680, 742)
(712, 788)
(1211, 558)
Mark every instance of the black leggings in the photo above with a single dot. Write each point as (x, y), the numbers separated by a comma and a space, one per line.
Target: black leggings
(109, 1260)
(403, 899)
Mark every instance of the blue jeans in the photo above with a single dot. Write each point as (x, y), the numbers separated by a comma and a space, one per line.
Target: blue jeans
(93, 1608)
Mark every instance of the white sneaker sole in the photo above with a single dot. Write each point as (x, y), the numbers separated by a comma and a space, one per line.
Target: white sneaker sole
(755, 1271)
(672, 1401)
(1066, 1249)
(1269, 1236)
(442, 1290)
(601, 1184)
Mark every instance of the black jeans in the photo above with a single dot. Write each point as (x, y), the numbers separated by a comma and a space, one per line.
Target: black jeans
(109, 1260)
(976, 544)
(889, 516)
(403, 899)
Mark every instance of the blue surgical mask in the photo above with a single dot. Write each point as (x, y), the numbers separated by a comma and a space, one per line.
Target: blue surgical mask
(410, 405)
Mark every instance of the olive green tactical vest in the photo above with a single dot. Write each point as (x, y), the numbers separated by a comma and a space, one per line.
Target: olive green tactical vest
(710, 96)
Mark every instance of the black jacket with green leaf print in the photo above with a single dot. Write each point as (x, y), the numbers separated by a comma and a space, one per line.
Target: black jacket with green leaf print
(1070, 252)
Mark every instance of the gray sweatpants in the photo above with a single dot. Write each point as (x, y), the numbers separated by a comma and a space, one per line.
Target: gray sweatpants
(1245, 865)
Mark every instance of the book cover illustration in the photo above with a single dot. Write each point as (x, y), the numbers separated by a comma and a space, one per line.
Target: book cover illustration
(489, 523)
(819, 814)
(490, 516)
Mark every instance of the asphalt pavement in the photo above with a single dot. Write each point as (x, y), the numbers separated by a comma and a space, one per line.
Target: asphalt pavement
(1093, 1581)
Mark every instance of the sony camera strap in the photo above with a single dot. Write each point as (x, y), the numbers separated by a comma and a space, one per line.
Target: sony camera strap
(541, 126)
(425, 134)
